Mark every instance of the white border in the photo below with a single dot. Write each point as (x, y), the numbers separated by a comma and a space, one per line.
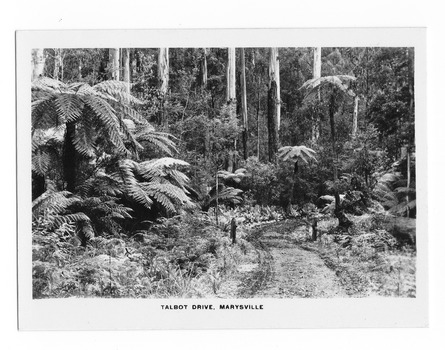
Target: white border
(278, 313)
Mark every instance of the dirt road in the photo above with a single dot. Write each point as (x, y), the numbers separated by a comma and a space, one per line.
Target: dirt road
(285, 270)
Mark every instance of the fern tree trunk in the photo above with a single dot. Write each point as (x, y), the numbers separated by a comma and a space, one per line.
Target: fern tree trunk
(38, 63)
(70, 158)
(295, 178)
(38, 67)
(343, 221)
(113, 64)
(244, 102)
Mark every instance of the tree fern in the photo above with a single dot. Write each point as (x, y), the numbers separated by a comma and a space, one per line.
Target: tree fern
(294, 153)
(155, 180)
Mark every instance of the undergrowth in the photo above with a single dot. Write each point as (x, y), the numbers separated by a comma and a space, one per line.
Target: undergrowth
(368, 261)
(184, 256)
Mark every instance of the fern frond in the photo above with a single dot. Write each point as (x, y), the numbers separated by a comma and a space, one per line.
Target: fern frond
(68, 106)
(40, 162)
(312, 85)
(84, 137)
(53, 202)
(108, 119)
(159, 140)
(161, 162)
(295, 153)
(235, 176)
(402, 207)
(131, 114)
(168, 189)
(48, 84)
(69, 219)
(117, 90)
(44, 115)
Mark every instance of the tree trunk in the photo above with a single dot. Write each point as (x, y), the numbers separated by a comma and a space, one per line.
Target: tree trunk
(113, 64)
(126, 67)
(343, 221)
(38, 63)
(316, 75)
(70, 158)
(244, 102)
(272, 121)
(163, 70)
(57, 63)
(314, 229)
(79, 71)
(204, 68)
(292, 189)
(163, 78)
(258, 117)
(274, 75)
(410, 54)
(231, 77)
(38, 185)
(355, 117)
(233, 230)
(408, 180)
(216, 198)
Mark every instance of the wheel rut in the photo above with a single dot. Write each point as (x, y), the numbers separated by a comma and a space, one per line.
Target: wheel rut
(286, 270)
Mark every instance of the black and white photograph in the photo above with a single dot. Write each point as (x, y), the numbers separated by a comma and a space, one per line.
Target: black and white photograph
(220, 177)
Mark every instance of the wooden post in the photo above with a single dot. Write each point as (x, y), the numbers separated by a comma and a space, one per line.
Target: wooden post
(233, 231)
(314, 229)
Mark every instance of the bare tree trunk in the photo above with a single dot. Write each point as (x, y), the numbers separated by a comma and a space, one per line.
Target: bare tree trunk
(355, 117)
(163, 70)
(272, 121)
(216, 198)
(163, 78)
(244, 103)
(79, 71)
(258, 117)
(410, 54)
(57, 63)
(38, 63)
(408, 180)
(316, 75)
(204, 68)
(274, 75)
(113, 64)
(231, 78)
(126, 67)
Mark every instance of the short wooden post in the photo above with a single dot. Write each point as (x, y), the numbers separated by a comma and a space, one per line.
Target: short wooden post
(314, 229)
(233, 230)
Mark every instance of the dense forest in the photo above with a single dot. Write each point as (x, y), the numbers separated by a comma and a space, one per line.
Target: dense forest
(223, 172)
